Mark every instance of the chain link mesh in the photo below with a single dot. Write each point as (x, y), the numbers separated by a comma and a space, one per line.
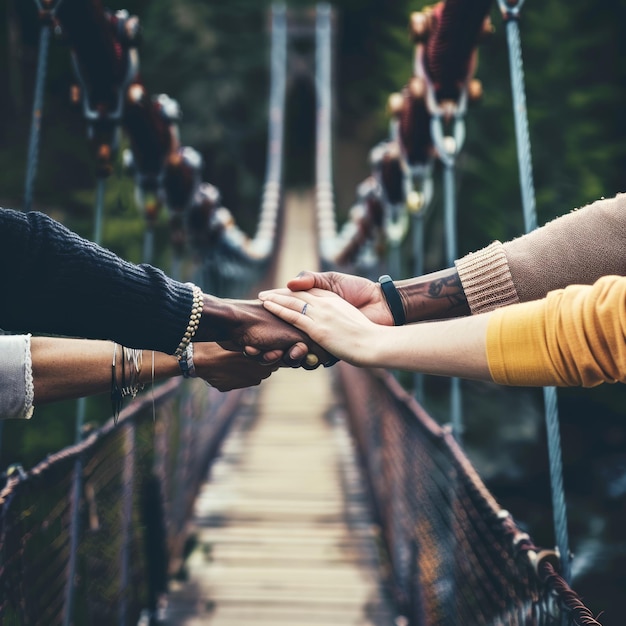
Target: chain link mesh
(139, 481)
(454, 556)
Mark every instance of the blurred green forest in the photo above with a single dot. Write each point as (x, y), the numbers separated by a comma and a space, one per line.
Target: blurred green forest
(213, 58)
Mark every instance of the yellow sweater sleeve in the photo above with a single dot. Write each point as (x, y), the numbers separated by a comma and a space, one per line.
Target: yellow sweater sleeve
(575, 336)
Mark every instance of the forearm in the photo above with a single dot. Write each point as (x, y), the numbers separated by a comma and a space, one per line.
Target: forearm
(59, 283)
(453, 347)
(73, 368)
(576, 248)
(573, 337)
(438, 295)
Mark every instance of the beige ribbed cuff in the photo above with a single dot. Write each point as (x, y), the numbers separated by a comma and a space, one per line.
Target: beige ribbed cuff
(486, 279)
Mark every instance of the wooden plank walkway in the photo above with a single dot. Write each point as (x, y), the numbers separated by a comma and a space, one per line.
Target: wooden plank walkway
(283, 531)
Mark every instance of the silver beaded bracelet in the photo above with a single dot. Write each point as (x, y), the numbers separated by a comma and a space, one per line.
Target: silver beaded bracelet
(194, 321)
(185, 363)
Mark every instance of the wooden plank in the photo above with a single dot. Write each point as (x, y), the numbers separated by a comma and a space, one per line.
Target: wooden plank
(283, 533)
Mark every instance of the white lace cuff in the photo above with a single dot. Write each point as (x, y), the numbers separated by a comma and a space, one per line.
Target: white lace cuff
(16, 374)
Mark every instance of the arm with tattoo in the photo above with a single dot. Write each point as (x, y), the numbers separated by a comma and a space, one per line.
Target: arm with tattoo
(434, 296)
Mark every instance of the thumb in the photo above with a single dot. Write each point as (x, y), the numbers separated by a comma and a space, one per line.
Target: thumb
(303, 281)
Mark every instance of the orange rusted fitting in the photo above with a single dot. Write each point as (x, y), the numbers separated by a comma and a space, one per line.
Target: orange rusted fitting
(394, 104)
(104, 166)
(419, 26)
(75, 94)
(104, 152)
(136, 93)
(487, 29)
(417, 88)
(475, 89)
(151, 207)
(174, 160)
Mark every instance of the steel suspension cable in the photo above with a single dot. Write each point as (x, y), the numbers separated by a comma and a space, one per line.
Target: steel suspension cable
(35, 128)
(510, 12)
(448, 148)
(327, 226)
(265, 236)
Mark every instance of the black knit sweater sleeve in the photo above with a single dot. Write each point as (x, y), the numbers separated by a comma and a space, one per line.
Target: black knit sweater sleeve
(53, 281)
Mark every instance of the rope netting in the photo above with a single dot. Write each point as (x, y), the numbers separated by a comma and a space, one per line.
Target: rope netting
(455, 556)
(139, 480)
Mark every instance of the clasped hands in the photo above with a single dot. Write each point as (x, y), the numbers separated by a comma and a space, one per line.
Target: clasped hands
(261, 334)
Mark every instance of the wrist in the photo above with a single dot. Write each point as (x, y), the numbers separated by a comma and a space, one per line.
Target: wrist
(375, 352)
(186, 364)
(218, 319)
(165, 366)
(393, 299)
(405, 298)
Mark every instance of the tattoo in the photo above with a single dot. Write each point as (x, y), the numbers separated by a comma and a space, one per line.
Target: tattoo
(449, 287)
(434, 296)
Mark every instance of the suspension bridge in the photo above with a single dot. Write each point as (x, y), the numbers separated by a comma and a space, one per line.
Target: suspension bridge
(332, 497)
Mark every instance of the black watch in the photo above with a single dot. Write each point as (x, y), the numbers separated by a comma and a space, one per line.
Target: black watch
(393, 300)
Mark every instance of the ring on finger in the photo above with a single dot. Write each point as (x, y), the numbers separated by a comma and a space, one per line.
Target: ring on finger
(304, 308)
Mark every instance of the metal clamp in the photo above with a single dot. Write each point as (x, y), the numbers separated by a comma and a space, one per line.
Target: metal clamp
(448, 146)
(510, 9)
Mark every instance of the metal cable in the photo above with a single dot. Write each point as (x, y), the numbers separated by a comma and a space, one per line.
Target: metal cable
(325, 201)
(521, 125)
(35, 128)
(418, 269)
(456, 414)
(556, 480)
(530, 222)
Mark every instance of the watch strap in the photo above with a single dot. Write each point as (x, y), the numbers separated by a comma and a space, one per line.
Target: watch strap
(393, 299)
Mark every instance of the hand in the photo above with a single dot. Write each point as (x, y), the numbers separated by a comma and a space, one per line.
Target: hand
(328, 319)
(236, 324)
(225, 369)
(360, 292)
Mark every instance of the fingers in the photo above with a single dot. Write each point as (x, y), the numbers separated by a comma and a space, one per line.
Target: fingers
(296, 355)
(328, 281)
(271, 357)
(284, 291)
(289, 309)
(303, 281)
(311, 361)
(265, 334)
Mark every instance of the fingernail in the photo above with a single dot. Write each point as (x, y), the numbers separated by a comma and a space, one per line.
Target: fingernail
(301, 274)
(262, 295)
(311, 359)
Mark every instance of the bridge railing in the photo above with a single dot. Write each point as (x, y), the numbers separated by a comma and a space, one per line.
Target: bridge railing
(139, 481)
(455, 556)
